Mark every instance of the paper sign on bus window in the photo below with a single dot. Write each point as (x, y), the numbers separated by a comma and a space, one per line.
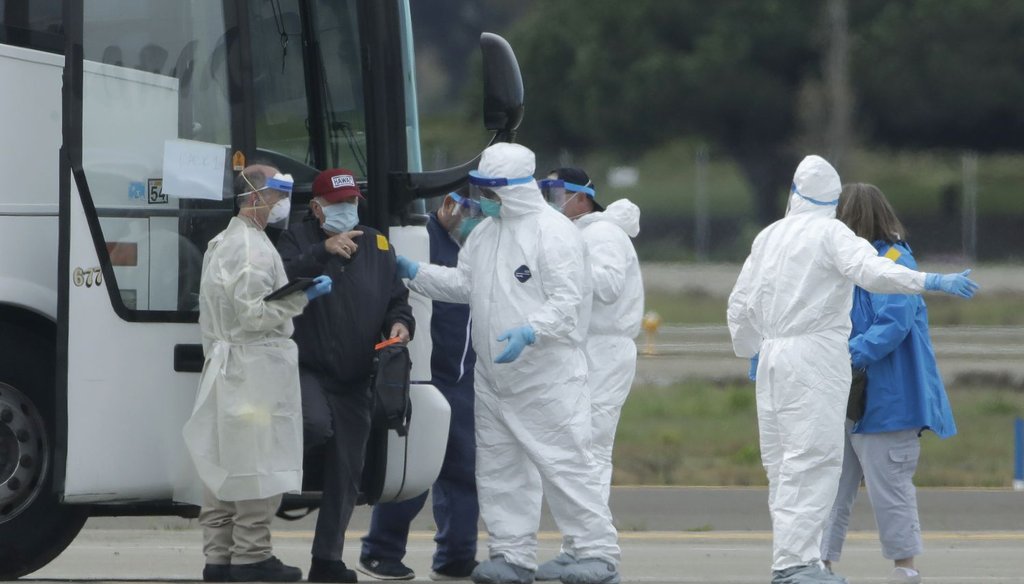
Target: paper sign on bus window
(195, 170)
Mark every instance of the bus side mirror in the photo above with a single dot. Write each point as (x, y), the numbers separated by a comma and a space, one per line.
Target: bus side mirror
(503, 111)
(503, 86)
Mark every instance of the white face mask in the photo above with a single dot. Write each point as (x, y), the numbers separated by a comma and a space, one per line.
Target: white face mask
(280, 211)
(567, 201)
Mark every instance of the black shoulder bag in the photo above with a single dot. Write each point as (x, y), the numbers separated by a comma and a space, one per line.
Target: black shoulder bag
(390, 385)
(858, 396)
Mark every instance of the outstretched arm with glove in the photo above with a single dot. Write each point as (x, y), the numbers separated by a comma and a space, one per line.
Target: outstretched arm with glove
(437, 282)
(859, 261)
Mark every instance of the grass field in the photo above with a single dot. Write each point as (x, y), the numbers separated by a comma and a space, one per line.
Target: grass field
(706, 434)
(993, 309)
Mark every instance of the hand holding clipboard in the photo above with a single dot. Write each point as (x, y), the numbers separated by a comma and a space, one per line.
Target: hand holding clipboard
(313, 287)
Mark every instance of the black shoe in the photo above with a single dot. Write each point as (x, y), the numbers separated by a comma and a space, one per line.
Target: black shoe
(217, 573)
(458, 570)
(385, 569)
(330, 571)
(269, 570)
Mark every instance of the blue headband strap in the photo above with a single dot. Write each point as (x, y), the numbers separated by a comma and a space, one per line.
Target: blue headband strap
(794, 190)
(493, 181)
(571, 187)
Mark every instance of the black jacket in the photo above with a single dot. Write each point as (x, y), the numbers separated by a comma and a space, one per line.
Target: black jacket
(337, 332)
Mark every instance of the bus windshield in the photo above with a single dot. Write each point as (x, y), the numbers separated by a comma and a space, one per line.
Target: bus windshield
(160, 72)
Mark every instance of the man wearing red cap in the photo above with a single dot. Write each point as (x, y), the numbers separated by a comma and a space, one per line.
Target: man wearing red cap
(336, 337)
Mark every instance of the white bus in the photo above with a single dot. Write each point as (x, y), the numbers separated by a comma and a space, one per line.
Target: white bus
(99, 266)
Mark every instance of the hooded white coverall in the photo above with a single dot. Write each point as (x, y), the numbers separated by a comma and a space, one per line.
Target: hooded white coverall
(791, 303)
(532, 414)
(245, 433)
(615, 318)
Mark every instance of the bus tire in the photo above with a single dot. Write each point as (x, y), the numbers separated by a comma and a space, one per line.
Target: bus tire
(34, 526)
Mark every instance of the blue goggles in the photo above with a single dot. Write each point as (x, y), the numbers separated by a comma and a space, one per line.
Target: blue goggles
(556, 183)
(475, 178)
(281, 182)
(467, 207)
(556, 190)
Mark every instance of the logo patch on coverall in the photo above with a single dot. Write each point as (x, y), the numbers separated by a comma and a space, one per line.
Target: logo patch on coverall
(523, 274)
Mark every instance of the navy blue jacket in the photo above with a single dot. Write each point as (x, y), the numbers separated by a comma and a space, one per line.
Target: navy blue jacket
(452, 359)
(336, 334)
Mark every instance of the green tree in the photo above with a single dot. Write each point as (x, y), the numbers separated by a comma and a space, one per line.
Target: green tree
(940, 73)
(631, 75)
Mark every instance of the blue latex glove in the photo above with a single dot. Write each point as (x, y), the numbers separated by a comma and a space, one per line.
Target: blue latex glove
(407, 268)
(955, 284)
(752, 374)
(322, 286)
(517, 339)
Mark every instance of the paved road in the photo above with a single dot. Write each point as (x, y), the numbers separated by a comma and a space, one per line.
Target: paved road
(689, 535)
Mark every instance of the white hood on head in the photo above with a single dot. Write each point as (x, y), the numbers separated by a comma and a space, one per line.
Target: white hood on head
(816, 187)
(622, 213)
(816, 179)
(506, 160)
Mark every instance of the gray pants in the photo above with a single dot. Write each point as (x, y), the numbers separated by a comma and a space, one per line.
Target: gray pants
(341, 422)
(886, 461)
(236, 532)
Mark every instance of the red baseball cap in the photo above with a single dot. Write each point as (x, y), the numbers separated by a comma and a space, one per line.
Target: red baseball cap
(336, 185)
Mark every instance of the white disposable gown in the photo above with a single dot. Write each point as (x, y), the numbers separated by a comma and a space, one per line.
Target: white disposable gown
(791, 303)
(532, 414)
(616, 311)
(245, 433)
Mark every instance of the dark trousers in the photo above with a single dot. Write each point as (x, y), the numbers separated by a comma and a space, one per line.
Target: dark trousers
(341, 422)
(456, 511)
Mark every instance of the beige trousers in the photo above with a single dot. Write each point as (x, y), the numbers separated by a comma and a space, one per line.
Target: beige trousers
(236, 532)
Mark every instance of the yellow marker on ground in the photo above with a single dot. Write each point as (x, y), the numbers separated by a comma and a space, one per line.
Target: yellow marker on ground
(650, 324)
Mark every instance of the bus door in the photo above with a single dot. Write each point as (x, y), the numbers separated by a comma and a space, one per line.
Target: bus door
(146, 96)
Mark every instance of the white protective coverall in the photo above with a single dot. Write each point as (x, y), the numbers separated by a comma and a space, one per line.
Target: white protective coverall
(791, 303)
(531, 414)
(245, 433)
(615, 317)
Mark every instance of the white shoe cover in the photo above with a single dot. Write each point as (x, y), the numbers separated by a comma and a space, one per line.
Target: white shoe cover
(591, 571)
(553, 569)
(498, 571)
(811, 574)
(904, 576)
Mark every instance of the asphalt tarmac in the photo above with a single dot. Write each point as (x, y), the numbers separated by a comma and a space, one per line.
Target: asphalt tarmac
(689, 534)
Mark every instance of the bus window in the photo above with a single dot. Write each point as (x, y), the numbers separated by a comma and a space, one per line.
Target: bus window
(279, 84)
(34, 24)
(345, 120)
(152, 74)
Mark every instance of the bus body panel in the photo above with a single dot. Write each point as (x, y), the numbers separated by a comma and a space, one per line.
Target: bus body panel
(126, 403)
(31, 245)
(30, 116)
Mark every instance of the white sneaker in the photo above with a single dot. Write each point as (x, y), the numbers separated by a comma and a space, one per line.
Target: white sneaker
(904, 576)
